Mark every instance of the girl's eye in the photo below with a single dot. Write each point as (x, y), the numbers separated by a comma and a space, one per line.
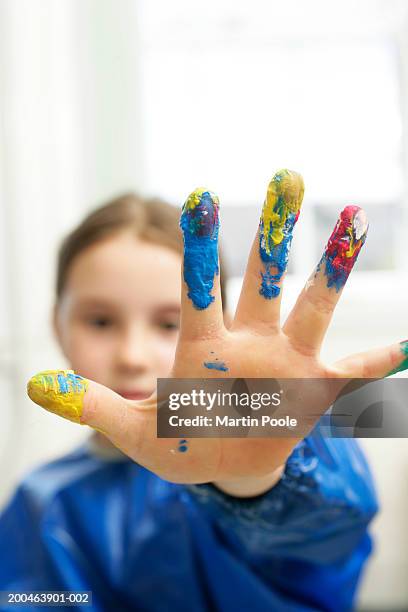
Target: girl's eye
(169, 326)
(100, 322)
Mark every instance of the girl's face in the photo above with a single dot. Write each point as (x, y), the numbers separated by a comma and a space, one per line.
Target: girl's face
(118, 318)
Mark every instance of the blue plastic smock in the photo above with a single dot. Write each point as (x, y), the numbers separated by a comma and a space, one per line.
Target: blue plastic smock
(84, 523)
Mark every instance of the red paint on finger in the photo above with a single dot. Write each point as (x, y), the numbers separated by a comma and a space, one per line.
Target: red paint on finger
(344, 246)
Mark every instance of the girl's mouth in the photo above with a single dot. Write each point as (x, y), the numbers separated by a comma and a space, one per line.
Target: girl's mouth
(134, 394)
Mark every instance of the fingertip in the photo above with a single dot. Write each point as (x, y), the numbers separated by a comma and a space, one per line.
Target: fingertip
(287, 190)
(344, 245)
(59, 391)
(279, 215)
(200, 214)
(355, 218)
(400, 357)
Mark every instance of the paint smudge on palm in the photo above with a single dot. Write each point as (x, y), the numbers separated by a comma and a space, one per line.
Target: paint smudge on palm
(279, 214)
(404, 362)
(183, 446)
(343, 246)
(59, 391)
(216, 365)
(200, 224)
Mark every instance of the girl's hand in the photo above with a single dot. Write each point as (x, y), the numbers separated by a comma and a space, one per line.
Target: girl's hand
(254, 346)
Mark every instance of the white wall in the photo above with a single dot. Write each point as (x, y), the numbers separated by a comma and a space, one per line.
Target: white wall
(70, 137)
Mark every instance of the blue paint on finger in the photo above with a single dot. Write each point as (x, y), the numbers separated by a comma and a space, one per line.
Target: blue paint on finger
(200, 223)
(69, 381)
(279, 214)
(277, 259)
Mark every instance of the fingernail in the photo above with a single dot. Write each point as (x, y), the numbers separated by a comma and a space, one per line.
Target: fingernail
(59, 391)
(279, 214)
(200, 223)
(344, 245)
(404, 363)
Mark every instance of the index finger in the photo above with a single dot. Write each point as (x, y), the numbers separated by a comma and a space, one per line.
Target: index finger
(201, 304)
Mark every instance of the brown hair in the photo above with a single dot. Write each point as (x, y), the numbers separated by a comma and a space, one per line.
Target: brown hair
(151, 219)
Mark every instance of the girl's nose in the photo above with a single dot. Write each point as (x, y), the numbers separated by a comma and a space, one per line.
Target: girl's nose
(135, 349)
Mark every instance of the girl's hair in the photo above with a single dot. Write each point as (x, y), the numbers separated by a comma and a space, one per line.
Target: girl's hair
(152, 220)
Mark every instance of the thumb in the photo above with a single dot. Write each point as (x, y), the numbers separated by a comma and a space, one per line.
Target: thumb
(129, 425)
(88, 403)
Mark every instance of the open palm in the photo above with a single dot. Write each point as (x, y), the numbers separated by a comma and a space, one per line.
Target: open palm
(255, 345)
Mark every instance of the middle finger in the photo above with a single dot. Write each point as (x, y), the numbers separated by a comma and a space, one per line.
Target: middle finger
(260, 298)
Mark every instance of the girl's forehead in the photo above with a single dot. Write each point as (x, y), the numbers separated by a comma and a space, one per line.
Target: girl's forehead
(126, 268)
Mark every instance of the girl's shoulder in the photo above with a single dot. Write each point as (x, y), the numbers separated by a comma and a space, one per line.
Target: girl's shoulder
(73, 471)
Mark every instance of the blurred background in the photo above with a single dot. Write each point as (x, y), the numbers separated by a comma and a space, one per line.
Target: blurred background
(99, 97)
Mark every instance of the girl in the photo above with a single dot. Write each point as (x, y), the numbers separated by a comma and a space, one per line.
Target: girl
(203, 524)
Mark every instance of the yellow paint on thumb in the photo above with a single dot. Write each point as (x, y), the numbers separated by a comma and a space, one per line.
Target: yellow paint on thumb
(60, 392)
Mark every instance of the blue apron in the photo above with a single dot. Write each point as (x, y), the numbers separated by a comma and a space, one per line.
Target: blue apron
(85, 523)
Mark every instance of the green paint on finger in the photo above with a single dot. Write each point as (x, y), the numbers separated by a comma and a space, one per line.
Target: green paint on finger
(404, 363)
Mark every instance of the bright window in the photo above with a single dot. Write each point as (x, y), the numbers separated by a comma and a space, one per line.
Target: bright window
(227, 102)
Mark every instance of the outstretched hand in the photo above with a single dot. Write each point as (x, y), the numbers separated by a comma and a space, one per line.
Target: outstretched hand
(254, 346)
